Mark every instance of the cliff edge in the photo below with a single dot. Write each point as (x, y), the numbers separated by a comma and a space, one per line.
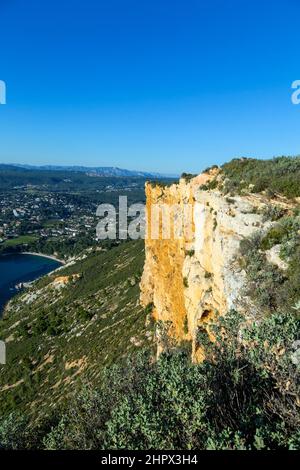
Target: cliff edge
(190, 280)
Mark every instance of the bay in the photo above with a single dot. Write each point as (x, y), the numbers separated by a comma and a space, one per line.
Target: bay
(20, 268)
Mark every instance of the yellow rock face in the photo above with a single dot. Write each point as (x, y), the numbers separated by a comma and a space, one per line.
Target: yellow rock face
(162, 281)
(194, 278)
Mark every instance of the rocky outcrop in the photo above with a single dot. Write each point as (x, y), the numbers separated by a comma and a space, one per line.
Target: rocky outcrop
(62, 281)
(192, 279)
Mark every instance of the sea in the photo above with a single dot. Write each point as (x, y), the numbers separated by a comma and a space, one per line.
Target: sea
(16, 269)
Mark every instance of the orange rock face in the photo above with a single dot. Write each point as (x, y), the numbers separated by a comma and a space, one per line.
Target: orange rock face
(191, 279)
(163, 283)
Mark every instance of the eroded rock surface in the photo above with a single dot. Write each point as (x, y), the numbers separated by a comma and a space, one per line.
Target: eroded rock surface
(193, 279)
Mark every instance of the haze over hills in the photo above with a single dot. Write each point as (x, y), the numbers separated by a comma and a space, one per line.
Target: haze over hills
(90, 171)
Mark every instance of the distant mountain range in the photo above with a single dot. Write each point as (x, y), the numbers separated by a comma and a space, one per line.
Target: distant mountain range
(90, 171)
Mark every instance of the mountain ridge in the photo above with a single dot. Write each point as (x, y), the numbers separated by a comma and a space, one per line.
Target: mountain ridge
(106, 171)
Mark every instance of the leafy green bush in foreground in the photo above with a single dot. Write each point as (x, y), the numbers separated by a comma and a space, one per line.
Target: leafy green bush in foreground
(244, 396)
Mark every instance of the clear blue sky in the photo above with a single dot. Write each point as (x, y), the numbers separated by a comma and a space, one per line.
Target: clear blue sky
(157, 85)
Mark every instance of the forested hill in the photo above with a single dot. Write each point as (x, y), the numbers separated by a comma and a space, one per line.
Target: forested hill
(94, 171)
(61, 179)
(13, 177)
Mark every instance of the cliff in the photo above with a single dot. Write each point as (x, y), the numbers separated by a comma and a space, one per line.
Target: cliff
(191, 279)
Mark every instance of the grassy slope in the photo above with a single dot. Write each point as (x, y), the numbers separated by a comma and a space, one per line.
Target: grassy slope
(66, 335)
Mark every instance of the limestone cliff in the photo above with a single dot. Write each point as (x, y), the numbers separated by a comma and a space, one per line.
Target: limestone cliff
(192, 279)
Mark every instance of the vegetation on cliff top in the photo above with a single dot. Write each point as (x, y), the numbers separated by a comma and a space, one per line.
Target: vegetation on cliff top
(279, 175)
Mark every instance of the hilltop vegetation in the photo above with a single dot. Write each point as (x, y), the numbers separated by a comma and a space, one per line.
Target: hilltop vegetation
(280, 175)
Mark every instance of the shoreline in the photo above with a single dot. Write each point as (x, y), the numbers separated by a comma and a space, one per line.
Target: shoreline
(33, 253)
(43, 256)
(15, 291)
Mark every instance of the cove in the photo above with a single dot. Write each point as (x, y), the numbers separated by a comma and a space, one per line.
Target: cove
(20, 268)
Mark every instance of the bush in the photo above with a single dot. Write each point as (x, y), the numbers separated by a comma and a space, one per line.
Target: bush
(149, 308)
(190, 253)
(187, 176)
(210, 185)
(273, 237)
(14, 432)
(269, 287)
(244, 396)
(280, 175)
(272, 213)
(140, 406)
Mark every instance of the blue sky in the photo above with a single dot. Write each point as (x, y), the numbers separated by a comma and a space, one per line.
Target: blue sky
(158, 85)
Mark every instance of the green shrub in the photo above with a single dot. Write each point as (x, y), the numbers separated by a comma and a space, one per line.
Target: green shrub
(149, 308)
(14, 433)
(142, 405)
(210, 185)
(273, 237)
(190, 253)
(187, 176)
(280, 175)
(213, 167)
(244, 396)
(272, 213)
(269, 287)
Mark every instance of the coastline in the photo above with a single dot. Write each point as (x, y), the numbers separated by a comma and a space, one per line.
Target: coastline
(43, 256)
(17, 285)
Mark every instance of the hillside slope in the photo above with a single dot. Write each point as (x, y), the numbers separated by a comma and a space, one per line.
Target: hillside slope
(68, 326)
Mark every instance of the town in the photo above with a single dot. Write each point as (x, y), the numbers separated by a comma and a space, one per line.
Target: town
(39, 218)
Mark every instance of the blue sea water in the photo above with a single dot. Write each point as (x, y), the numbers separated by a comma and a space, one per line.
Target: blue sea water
(17, 268)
